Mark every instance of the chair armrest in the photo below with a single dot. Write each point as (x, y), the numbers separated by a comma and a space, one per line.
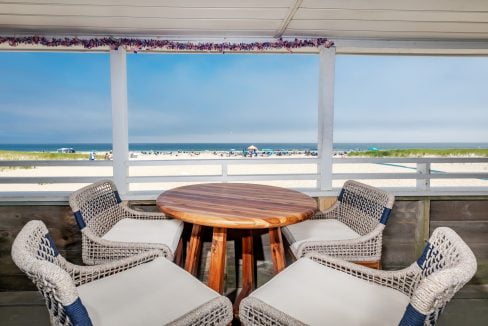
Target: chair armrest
(404, 280)
(330, 213)
(350, 249)
(85, 274)
(132, 213)
(434, 291)
(119, 249)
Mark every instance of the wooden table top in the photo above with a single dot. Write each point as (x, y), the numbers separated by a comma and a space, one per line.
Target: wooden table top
(237, 205)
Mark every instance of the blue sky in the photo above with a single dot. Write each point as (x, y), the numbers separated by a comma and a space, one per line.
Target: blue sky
(65, 97)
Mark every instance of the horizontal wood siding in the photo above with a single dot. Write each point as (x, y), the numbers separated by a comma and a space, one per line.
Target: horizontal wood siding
(469, 219)
(403, 236)
(61, 225)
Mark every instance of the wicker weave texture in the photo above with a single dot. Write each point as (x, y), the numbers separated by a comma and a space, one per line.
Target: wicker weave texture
(449, 264)
(56, 278)
(101, 210)
(361, 207)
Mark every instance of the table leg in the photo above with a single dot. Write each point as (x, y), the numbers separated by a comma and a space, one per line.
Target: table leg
(193, 254)
(277, 251)
(217, 260)
(248, 281)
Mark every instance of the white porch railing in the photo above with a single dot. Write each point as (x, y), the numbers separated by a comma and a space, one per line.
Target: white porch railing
(421, 174)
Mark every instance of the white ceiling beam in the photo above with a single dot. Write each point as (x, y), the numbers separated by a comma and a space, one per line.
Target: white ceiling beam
(291, 13)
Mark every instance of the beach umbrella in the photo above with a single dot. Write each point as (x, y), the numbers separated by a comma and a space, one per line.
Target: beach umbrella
(252, 148)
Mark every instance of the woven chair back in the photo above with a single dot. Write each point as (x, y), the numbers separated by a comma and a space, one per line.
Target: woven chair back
(362, 207)
(92, 201)
(447, 264)
(35, 253)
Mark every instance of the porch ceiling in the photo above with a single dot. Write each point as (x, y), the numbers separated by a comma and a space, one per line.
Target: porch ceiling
(337, 19)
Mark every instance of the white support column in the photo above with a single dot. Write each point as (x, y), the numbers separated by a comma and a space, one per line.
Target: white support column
(120, 124)
(326, 116)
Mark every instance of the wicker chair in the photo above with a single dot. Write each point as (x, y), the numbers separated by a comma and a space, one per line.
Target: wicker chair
(352, 229)
(324, 290)
(111, 230)
(145, 289)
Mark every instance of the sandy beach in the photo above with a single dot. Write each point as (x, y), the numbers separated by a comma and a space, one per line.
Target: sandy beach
(186, 169)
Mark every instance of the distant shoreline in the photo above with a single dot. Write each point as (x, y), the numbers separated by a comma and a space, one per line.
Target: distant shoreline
(237, 147)
(208, 154)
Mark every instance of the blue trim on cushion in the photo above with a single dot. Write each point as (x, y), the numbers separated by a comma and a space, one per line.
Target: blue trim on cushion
(412, 317)
(79, 220)
(78, 314)
(117, 197)
(52, 244)
(341, 195)
(385, 215)
(425, 255)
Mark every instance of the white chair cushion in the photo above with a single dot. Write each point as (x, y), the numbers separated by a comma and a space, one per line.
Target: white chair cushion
(318, 295)
(167, 231)
(154, 293)
(312, 230)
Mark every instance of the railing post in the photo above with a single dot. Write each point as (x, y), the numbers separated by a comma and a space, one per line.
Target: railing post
(423, 168)
(120, 125)
(326, 117)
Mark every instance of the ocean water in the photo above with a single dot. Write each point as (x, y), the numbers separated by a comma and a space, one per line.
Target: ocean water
(172, 147)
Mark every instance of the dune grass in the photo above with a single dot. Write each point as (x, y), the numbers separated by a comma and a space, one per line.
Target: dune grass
(40, 156)
(415, 152)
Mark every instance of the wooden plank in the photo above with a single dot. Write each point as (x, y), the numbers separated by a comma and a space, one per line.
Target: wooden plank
(250, 34)
(473, 291)
(141, 23)
(387, 34)
(393, 26)
(21, 298)
(24, 315)
(402, 15)
(142, 11)
(18, 282)
(175, 3)
(470, 231)
(466, 312)
(444, 5)
(452, 210)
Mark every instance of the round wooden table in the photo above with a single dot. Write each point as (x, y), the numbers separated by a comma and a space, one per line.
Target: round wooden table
(235, 206)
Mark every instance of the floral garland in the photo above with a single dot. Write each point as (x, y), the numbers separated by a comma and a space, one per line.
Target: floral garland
(151, 44)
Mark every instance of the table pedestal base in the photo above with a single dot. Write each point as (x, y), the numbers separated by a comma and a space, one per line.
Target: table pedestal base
(217, 260)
